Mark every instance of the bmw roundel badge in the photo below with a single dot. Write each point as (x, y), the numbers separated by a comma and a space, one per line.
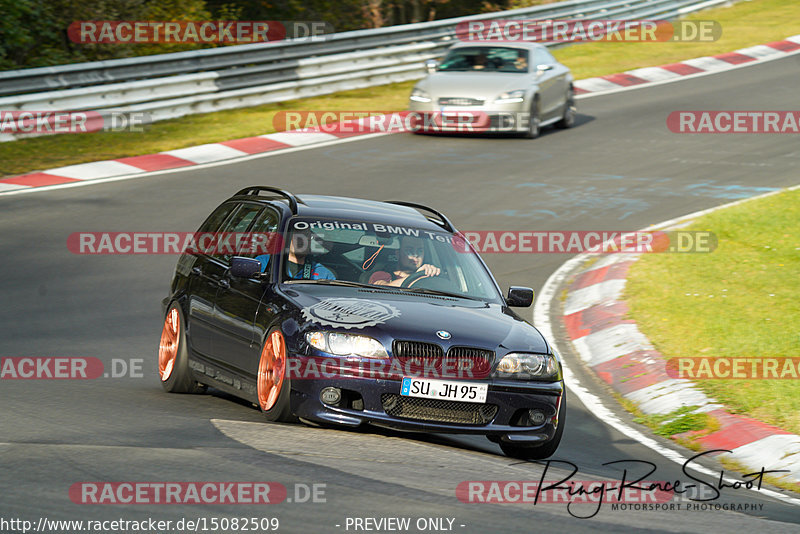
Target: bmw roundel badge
(443, 334)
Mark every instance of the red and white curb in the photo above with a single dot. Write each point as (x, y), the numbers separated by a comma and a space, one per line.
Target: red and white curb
(226, 151)
(594, 317)
(172, 159)
(690, 67)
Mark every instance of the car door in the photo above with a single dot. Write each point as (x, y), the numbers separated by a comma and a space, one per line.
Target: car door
(552, 83)
(239, 301)
(202, 287)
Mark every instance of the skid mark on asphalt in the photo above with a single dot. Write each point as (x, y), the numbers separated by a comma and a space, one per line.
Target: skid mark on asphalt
(611, 196)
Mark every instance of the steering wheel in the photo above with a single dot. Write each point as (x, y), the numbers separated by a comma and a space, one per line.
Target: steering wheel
(412, 278)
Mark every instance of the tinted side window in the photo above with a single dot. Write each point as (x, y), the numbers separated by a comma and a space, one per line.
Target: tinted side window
(237, 223)
(263, 233)
(216, 218)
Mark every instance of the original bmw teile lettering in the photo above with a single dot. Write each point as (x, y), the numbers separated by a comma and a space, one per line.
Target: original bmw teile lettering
(368, 313)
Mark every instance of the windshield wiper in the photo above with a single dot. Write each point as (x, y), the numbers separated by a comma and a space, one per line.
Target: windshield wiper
(437, 292)
(345, 283)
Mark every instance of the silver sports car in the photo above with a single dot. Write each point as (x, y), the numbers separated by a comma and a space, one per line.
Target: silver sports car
(508, 87)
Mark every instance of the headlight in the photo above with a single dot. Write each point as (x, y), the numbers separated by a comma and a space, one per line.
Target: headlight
(527, 366)
(342, 344)
(418, 95)
(511, 97)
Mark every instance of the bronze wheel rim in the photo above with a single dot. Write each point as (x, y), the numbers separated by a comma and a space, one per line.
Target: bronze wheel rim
(168, 347)
(271, 370)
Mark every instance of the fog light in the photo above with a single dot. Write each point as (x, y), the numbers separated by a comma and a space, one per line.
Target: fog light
(330, 395)
(537, 417)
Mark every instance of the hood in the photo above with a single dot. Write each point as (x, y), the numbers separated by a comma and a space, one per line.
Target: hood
(392, 314)
(487, 86)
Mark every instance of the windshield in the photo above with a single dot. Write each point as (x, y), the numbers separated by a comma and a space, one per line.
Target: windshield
(486, 59)
(383, 255)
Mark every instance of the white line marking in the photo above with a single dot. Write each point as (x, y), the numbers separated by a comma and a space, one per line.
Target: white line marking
(616, 341)
(206, 153)
(586, 297)
(95, 169)
(300, 138)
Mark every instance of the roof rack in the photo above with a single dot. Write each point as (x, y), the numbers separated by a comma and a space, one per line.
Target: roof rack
(443, 221)
(256, 189)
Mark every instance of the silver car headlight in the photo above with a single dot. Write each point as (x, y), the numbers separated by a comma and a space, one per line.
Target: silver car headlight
(511, 97)
(342, 344)
(527, 366)
(418, 95)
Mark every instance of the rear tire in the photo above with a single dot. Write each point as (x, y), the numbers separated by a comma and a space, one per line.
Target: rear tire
(540, 452)
(173, 355)
(272, 385)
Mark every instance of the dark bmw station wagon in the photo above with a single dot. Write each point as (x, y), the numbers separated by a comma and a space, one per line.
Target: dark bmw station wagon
(350, 312)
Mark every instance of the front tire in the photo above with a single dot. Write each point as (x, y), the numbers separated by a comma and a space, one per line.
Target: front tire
(272, 385)
(570, 111)
(534, 121)
(542, 451)
(173, 355)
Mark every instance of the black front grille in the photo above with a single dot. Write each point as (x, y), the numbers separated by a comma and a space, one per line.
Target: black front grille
(460, 101)
(417, 349)
(428, 360)
(470, 352)
(442, 411)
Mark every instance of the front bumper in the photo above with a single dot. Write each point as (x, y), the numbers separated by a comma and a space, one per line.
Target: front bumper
(503, 118)
(511, 398)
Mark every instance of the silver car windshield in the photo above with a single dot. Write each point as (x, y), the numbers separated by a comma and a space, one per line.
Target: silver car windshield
(486, 59)
(380, 254)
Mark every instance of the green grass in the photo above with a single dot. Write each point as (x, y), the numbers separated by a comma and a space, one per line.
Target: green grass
(739, 301)
(40, 153)
(677, 422)
(744, 24)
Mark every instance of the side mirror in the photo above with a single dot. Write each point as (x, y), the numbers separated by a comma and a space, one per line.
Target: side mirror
(541, 69)
(430, 65)
(245, 267)
(519, 297)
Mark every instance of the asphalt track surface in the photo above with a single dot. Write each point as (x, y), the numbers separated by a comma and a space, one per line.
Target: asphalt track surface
(619, 169)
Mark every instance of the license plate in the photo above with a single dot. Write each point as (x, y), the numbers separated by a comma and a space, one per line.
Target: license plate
(444, 389)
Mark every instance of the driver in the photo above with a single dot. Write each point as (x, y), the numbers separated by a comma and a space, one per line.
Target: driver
(411, 259)
(481, 61)
(521, 63)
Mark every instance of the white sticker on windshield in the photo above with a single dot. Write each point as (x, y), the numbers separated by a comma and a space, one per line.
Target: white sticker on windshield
(350, 313)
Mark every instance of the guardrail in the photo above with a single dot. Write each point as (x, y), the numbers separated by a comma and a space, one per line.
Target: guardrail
(201, 81)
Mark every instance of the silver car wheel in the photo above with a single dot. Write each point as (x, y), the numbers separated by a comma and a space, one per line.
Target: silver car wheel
(534, 122)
